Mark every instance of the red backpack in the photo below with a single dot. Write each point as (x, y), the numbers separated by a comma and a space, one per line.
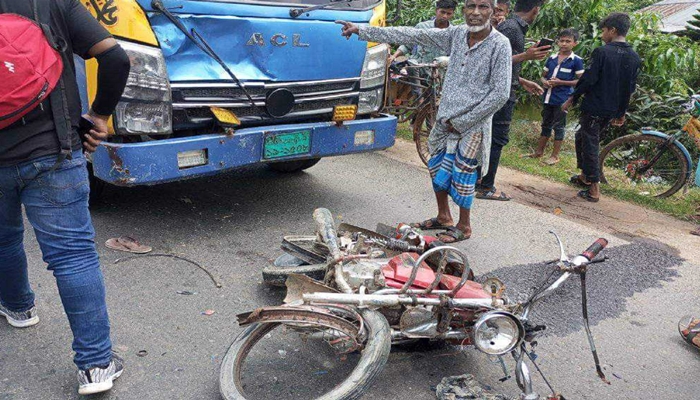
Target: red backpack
(30, 65)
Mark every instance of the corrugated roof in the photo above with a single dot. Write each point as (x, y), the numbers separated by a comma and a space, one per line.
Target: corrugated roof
(675, 14)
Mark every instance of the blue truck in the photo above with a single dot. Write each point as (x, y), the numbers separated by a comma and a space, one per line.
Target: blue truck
(216, 85)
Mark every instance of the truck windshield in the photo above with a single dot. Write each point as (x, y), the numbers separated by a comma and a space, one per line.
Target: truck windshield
(355, 5)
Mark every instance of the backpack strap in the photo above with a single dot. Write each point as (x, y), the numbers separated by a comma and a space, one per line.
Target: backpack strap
(57, 98)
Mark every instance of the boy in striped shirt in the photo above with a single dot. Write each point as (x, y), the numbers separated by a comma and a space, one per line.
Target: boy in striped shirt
(560, 75)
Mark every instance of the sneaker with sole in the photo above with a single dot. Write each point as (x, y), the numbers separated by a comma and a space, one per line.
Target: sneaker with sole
(21, 319)
(97, 380)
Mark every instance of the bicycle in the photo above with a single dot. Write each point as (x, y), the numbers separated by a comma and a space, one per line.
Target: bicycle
(421, 110)
(652, 162)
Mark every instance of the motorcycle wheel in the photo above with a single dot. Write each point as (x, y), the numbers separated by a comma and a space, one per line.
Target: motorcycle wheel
(373, 357)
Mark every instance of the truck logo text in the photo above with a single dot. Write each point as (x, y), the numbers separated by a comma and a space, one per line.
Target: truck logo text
(105, 11)
(278, 40)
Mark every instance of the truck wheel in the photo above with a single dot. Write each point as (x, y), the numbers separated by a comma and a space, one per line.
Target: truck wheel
(293, 166)
(97, 186)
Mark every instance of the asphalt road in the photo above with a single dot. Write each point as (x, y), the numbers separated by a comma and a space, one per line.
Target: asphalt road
(233, 224)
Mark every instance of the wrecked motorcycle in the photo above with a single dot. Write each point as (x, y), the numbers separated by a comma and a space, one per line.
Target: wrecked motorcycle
(376, 291)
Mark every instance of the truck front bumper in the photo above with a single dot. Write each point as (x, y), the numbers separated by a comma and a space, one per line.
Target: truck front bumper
(156, 161)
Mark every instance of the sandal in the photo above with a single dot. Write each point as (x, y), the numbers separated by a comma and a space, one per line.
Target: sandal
(576, 180)
(454, 233)
(127, 244)
(430, 224)
(552, 161)
(585, 194)
(491, 195)
(689, 328)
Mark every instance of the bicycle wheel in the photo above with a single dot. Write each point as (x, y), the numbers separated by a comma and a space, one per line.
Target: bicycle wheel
(423, 124)
(306, 353)
(642, 163)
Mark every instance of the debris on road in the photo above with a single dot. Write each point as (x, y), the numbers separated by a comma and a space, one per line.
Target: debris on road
(127, 244)
(142, 353)
(465, 387)
(213, 279)
(186, 292)
(208, 312)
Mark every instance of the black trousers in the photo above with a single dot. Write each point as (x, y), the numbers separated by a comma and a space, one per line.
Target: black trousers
(588, 145)
(553, 118)
(499, 138)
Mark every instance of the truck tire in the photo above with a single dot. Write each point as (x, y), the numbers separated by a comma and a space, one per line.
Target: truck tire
(293, 166)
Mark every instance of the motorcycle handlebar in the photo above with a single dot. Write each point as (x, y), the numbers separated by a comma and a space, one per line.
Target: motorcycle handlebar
(593, 250)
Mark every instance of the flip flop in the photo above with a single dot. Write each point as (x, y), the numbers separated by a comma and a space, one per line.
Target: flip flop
(551, 161)
(491, 195)
(430, 224)
(689, 328)
(127, 244)
(576, 180)
(585, 194)
(454, 233)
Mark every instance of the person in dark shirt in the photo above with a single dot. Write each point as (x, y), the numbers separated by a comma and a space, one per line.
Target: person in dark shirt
(46, 173)
(606, 87)
(514, 28)
(500, 13)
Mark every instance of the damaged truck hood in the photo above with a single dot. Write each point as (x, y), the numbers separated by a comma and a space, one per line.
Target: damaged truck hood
(258, 43)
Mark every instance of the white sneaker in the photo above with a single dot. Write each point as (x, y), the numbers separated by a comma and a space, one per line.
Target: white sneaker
(97, 380)
(22, 319)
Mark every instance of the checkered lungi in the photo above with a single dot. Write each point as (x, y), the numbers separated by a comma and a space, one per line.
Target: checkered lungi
(456, 173)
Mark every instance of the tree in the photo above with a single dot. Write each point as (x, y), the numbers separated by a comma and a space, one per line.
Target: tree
(693, 30)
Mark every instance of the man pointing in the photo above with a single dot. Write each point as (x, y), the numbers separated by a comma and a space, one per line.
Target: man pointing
(477, 84)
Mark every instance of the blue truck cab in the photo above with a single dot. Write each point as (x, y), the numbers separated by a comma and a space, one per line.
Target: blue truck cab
(295, 90)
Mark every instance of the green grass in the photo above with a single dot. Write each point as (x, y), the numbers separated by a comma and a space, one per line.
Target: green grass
(404, 131)
(523, 138)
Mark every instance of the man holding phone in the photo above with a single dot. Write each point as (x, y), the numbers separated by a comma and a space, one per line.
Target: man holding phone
(45, 171)
(514, 28)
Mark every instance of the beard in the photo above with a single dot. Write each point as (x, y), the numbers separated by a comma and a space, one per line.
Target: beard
(478, 28)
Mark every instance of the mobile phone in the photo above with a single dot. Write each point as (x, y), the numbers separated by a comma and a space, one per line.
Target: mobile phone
(84, 127)
(545, 42)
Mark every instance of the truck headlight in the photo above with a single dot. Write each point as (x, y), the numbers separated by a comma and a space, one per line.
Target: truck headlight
(146, 105)
(374, 68)
(373, 78)
(370, 100)
(498, 332)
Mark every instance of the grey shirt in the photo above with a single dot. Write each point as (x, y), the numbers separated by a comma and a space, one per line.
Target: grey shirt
(477, 81)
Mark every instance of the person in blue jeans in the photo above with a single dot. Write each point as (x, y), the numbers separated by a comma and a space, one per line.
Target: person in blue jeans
(560, 75)
(42, 168)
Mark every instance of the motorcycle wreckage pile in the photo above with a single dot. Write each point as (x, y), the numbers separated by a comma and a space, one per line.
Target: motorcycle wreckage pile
(372, 290)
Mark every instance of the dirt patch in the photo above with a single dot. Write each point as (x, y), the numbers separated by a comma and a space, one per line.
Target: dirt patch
(617, 217)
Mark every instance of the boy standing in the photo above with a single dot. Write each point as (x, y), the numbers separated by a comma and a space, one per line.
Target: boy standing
(560, 75)
(606, 87)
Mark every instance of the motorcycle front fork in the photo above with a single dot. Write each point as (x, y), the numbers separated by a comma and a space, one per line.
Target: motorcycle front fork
(522, 375)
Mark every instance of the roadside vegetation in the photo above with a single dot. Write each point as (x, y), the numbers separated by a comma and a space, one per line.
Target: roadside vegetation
(670, 74)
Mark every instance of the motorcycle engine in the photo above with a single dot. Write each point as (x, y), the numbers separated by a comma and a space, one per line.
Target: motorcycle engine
(366, 272)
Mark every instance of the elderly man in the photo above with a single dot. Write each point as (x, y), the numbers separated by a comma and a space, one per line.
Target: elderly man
(477, 84)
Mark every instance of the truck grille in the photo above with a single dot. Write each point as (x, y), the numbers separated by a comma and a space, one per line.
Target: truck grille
(191, 101)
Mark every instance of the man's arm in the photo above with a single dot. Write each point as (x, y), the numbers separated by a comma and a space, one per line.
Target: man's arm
(501, 74)
(532, 53)
(440, 38)
(89, 40)
(530, 86)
